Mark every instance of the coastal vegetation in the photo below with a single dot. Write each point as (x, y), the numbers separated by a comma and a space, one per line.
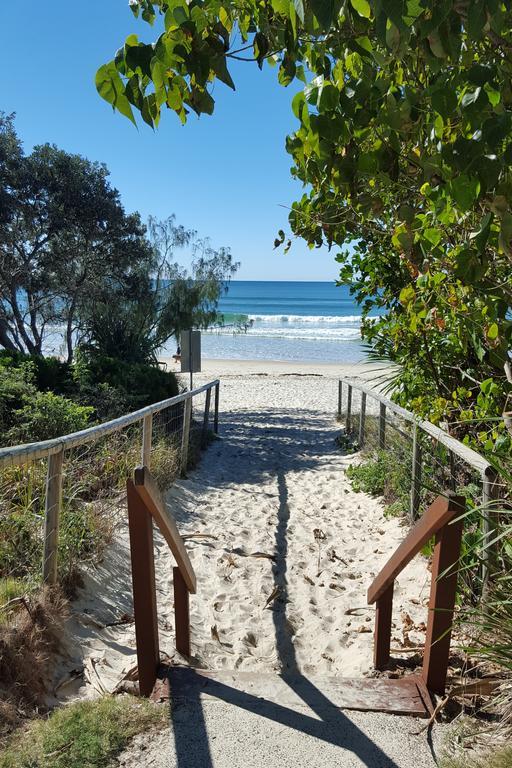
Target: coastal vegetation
(83, 734)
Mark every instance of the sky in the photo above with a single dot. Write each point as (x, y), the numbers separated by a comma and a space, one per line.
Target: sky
(226, 176)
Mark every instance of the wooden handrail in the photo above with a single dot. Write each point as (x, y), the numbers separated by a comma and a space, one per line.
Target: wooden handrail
(444, 509)
(145, 505)
(444, 520)
(145, 485)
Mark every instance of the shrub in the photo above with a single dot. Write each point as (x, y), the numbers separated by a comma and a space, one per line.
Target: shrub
(382, 474)
(138, 384)
(16, 387)
(46, 415)
(83, 734)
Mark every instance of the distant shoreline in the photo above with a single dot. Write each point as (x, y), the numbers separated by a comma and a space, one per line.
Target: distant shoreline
(275, 367)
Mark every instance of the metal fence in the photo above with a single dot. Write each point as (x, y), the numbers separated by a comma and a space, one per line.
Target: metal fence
(427, 458)
(56, 493)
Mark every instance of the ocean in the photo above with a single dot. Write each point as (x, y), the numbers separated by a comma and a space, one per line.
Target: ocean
(293, 321)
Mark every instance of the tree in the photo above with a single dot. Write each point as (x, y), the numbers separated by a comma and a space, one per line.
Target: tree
(137, 314)
(63, 233)
(404, 145)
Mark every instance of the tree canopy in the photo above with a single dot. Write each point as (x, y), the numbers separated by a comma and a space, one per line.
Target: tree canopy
(63, 233)
(404, 146)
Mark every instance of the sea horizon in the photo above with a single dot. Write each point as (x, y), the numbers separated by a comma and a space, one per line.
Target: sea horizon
(287, 320)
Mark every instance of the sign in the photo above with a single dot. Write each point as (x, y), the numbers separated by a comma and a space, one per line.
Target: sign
(191, 351)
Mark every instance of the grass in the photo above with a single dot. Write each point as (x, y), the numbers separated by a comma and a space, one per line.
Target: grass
(88, 734)
(501, 758)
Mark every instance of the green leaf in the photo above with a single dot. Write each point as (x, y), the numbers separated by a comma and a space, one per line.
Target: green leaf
(492, 332)
(362, 7)
(111, 88)
(323, 11)
(465, 191)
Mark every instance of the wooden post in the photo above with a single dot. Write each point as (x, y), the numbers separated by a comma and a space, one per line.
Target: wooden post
(181, 613)
(140, 525)
(382, 639)
(489, 479)
(348, 423)
(185, 436)
(51, 518)
(443, 591)
(216, 411)
(415, 475)
(340, 396)
(204, 435)
(147, 433)
(382, 427)
(362, 417)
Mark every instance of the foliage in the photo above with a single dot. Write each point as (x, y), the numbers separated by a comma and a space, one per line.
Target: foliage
(63, 233)
(83, 734)
(404, 146)
(500, 757)
(382, 474)
(135, 384)
(46, 415)
(134, 317)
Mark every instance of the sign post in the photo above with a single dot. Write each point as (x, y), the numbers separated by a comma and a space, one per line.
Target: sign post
(191, 353)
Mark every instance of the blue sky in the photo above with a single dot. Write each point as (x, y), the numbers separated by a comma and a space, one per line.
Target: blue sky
(226, 176)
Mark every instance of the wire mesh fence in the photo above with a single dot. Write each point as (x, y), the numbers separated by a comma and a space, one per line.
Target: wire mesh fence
(410, 462)
(59, 500)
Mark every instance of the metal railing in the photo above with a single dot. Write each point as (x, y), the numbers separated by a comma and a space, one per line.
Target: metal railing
(420, 443)
(54, 452)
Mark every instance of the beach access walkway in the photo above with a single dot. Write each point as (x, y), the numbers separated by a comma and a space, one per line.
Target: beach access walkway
(284, 551)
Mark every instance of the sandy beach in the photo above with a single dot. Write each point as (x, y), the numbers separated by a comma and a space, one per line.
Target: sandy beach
(286, 550)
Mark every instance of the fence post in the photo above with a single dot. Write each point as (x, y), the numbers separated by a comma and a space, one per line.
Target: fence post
(185, 436)
(216, 410)
(204, 435)
(181, 613)
(489, 478)
(443, 590)
(415, 475)
(348, 423)
(140, 526)
(340, 395)
(382, 426)
(362, 417)
(53, 506)
(383, 617)
(147, 433)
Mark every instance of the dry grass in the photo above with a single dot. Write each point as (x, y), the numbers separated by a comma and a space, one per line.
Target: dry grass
(27, 645)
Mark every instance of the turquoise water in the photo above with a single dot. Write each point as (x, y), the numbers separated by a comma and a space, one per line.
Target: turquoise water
(295, 321)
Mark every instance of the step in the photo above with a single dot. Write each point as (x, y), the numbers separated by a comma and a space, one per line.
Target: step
(253, 690)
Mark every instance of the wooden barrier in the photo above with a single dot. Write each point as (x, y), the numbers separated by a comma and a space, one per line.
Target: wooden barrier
(442, 520)
(145, 506)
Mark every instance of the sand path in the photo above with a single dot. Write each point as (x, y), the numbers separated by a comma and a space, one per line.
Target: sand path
(282, 581)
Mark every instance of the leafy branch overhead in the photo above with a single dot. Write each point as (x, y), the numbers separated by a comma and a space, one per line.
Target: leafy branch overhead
(404, 145)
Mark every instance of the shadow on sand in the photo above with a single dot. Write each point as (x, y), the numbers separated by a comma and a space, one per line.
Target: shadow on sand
(323, 721)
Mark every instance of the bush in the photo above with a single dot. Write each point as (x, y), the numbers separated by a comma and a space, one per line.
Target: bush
(83, 734)
(45, 416)
(138, 384)
(381, 474)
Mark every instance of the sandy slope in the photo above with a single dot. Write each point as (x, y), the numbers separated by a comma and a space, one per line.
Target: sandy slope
(272, 593)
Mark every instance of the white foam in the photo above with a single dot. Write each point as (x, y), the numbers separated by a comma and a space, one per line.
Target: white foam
(316, 319)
